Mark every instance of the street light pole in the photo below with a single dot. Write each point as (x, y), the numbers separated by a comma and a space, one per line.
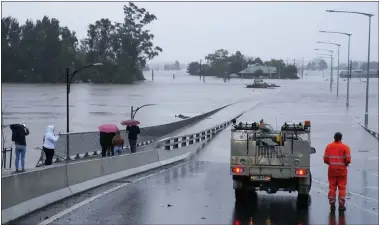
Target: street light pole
(348, 62)
(368, 70)
(349, 74)
(67, 113)
(331, 73)
(331, 66)
(69, 78)
(368, 54)
(338, 65)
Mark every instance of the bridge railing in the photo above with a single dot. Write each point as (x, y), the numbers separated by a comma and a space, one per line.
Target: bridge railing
(172, 143)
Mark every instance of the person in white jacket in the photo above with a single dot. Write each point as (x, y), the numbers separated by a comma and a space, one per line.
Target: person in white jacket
(49, 141)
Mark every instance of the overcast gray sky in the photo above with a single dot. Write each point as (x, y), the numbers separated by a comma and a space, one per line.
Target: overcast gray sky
(187, 31)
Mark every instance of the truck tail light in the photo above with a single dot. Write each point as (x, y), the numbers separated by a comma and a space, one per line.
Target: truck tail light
(301, 172)
(237, 170)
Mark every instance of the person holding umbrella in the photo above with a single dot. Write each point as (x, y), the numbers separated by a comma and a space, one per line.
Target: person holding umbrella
(19, 133)
(134, 131)
(107, 132)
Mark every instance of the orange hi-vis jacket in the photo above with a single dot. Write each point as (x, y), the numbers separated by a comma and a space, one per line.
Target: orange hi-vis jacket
(337, 156)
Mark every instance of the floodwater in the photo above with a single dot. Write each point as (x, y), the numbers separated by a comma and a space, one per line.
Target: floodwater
(91, 105)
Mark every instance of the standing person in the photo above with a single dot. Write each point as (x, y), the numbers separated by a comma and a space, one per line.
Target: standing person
(110, 137)
(49, 141)
(19, 133)
(118, 143)
(106, 143)
(132, 136)
(337, 156)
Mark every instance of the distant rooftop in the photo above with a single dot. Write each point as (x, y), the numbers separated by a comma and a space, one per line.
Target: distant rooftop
(254, 67)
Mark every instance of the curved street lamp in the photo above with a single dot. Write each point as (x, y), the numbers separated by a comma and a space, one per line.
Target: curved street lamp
(368, 53)
(69, 77)
(133, 112)
(331, 66)
(338, 61)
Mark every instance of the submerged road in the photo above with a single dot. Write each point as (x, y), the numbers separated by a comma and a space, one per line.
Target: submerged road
(199, 191)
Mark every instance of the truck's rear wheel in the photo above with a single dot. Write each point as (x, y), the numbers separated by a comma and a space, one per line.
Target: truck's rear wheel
(239, 195)
(303, 200)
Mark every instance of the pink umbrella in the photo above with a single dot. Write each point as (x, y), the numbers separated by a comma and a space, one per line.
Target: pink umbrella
(130, 122)
(108, 128)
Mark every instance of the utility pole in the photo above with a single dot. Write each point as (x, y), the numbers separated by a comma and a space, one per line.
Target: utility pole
(331, 73)
(348, 82)
(200, 70)
(302, 70)
(152, 74)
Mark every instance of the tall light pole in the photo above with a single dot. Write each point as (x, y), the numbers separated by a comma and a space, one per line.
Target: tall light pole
(368, 53)
(331, 66)
(348, 62)
(338, 63)
(69, 77)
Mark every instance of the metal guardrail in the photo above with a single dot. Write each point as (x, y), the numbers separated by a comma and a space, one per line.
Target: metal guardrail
(171, 143)
(87, 142)
(373, 133)
(60, 158)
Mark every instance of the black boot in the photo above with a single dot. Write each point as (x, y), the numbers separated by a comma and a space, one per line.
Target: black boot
(332, 207)
(341, 207)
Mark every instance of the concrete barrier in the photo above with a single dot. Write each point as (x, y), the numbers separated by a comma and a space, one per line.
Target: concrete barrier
(22, 193)
(26, 192)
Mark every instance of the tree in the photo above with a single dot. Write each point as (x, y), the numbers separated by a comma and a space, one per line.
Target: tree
(218, 63)
(40, 51)
(317, 64)
(237, 63)
(193, 68)
(322, 65)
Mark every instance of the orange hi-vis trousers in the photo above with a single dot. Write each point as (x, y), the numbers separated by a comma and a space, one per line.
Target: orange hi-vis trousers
(340, 182)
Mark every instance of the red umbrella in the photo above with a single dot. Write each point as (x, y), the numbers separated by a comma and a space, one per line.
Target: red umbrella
(108, 128)
(130, 122)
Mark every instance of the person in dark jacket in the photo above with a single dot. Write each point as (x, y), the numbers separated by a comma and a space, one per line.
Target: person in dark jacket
(106, 143)
(19, 133)
(134, 131)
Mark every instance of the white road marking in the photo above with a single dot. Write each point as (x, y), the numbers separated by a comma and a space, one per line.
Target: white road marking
(350, 203)
(93, 198)
(349, 192)
(372, 187)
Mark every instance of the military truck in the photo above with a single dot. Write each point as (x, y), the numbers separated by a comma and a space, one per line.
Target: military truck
(270, 160)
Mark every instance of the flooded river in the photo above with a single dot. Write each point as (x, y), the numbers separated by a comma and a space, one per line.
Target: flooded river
(91, 105)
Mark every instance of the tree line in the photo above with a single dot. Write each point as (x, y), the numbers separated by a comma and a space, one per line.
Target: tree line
(221, 64)
(40, 51)
(317, 64)
(173, 66)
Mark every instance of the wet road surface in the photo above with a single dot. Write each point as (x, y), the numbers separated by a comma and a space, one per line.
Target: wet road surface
(200, 190)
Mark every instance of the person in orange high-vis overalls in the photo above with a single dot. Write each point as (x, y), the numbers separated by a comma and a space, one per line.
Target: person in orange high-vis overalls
(337, 156)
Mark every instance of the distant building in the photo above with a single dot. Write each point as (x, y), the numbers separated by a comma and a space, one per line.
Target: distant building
(257, 70)
(359, 74)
